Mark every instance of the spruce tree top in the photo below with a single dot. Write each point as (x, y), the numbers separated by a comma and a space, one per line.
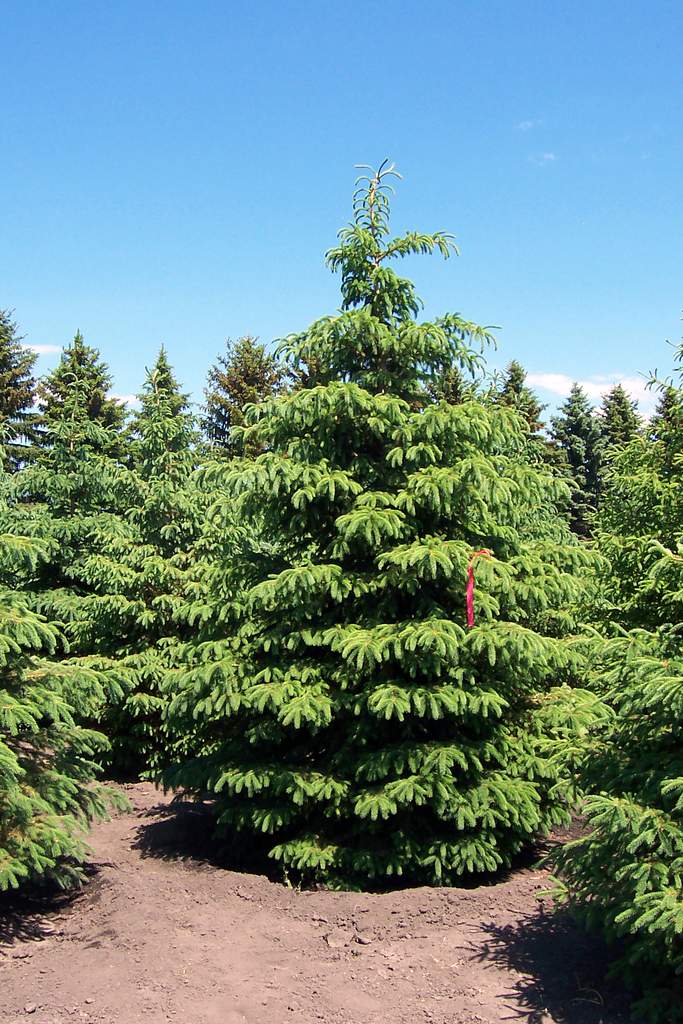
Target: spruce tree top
(161, 402)
(17, 393)
(243, 374)
(81, 380)
(620, 422)
(163, 455)
(375, 342)
(576, 434)
(668, 414)
(516, 393)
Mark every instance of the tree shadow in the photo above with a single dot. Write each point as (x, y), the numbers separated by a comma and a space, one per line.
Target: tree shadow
(186, 830)
(31, 915)
(563, 970)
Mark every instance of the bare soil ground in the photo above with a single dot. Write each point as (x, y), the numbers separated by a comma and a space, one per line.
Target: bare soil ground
(162, 933)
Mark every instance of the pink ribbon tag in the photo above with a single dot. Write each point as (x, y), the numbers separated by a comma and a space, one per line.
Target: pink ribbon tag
(469, 593)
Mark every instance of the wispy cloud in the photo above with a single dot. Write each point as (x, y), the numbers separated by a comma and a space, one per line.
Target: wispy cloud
(541, 159)
(527, 126)
(44, 350)
(131, 400)
(596, 386)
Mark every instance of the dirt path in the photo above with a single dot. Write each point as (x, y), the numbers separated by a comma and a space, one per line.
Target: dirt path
(160, 935)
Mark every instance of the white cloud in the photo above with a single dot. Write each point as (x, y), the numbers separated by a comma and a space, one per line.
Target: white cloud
(43, 350)
(596, 386)
(526, 126)
(126, 399)
(541, 159)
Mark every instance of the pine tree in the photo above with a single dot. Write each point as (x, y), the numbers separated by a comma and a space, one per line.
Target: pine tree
(120, 546)
(18, 419)
(619, 423)
(668, 413)
(452, 386)
(71, 492)
(73, 480)
(516, 394)
(48, 762)
(82, 371)
(345, 710)
(140, 573)
(576, 435)
(626, 873)
(246, 372)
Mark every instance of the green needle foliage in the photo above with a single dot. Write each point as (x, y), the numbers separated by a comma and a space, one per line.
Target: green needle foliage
(72, 492)
(142, 572)
(245, 373)
(516, 393)
(452, 386)
(626, 875)
(575, 433)
(669, 410)
(342, 707)
(47, 761)
(619, 422)
(80, 370)
(18, 419)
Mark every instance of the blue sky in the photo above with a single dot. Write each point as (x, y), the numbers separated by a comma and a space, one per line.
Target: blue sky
(173, 172)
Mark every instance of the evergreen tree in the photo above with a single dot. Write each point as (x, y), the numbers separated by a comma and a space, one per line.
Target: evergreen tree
(80, 371)
(452, 386)
(668, 413)
(73, 480)
(18, 419)
(620, 422)
(120, 546)
(346, 710)
(47, 761)
(70, 493)
(246, 372)
(576, 434)
(140, 572)
(516, 393)
(626, 872)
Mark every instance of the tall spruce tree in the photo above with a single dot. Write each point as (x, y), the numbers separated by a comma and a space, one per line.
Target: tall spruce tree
(70, 492)
(140, 573)
(18, 418)
(347, 711)
(626, 872)
(515, 393)
(82, 371)
(120, 547)
(619, 422)
(575, 432)
(246, 372)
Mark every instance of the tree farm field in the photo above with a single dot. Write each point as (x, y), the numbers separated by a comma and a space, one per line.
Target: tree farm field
(391, 667)
(164, 932)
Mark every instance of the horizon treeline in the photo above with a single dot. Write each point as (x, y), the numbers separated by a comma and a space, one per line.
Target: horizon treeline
(576, 442)
(362, 603)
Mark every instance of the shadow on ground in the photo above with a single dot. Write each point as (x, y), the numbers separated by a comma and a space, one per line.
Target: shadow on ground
(563, 971)
(186, 830)
(26, 916)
